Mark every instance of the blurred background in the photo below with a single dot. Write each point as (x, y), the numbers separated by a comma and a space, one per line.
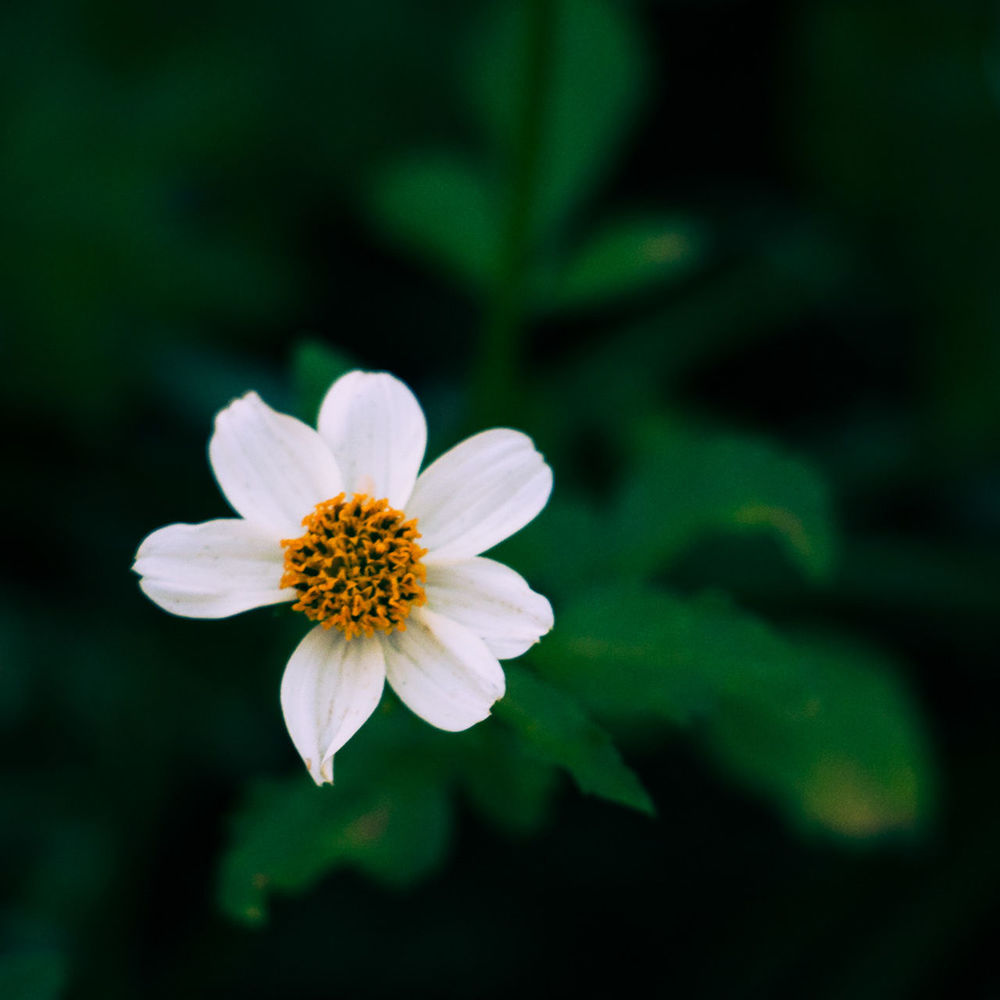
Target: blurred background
(735, 267)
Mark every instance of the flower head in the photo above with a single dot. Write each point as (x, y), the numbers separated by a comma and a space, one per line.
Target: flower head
(386, 563)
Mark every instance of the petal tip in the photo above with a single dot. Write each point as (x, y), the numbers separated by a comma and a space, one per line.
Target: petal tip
(322, 775)
(237, 404)
(236, 400)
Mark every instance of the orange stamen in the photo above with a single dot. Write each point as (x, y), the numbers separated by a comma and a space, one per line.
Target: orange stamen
(357, 567)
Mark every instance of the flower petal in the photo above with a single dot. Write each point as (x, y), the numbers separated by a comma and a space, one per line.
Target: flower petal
(442, 672)
(272, 468)
(329, 688)
(478, 493)
(374, 426)
(212, 570)
(493, 601)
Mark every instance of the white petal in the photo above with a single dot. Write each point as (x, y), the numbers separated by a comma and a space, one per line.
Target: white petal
(376, 430)
(477, 494)
(504, 648)
(493, 601)
(442, 672)
(330, 687)
(272, 468)
(212, 570)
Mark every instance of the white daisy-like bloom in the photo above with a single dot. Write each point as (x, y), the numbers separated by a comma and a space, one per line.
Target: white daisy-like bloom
(387, 563)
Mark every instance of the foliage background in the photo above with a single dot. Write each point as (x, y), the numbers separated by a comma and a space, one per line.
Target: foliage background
(734, 266)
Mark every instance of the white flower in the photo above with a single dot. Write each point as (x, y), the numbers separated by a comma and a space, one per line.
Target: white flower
(400, 596)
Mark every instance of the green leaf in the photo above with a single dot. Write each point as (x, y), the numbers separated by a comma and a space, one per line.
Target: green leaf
(850, 756)
(32, 976)
(315, 367)
(507, 784)
(681, 486)
(631, 653)
(566, 546)
(626, 257)
(828, 733)
(593, 80)
(388, 815)
(405, 835)
(688, 484)
(559, 732)
(444, 211)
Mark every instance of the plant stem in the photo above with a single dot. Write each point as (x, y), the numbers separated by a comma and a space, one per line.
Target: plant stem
(503, 331)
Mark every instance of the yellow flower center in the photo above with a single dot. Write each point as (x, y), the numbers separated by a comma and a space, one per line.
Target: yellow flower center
(357, 567)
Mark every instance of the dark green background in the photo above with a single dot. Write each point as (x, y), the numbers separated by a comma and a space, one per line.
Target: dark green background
(189, 193)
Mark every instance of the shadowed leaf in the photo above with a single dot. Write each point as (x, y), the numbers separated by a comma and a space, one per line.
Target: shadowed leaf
(556, 728)
(687, 484)
(288, 834)
(443, 210)
(509, 786)
(828, 732)
(626, 257)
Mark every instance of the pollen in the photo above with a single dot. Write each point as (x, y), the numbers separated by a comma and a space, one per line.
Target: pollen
(357, 567)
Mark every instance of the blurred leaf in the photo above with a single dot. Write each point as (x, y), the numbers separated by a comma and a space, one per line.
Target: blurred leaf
(443, 210)
(628, 256)
(34, 976)
(315, 367)
(829, 733)
(629, 653)
(116, 227)
(688, 484)
(566, 546)
(555, 728)
(505, 782)
(405, 836)
(592, 83)
(388, 816)
(851, 757)
(680, 486)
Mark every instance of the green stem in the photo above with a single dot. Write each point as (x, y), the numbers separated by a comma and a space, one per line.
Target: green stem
(500, 346)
